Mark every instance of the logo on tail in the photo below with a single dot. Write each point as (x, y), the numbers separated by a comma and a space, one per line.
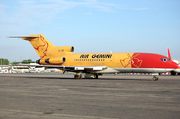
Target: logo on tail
(42, 48)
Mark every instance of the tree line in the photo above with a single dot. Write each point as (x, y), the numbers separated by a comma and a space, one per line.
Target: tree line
(6, 62)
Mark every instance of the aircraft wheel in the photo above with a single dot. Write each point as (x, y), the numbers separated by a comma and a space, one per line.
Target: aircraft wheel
(75, 76)
(155, 78)
(96, 76)
(78, 76)
(173, 73)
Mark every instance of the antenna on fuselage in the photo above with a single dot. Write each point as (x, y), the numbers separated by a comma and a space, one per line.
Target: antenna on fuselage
(169, 55)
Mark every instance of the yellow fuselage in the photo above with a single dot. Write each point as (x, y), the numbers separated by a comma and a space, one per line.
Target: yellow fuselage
(96, 59)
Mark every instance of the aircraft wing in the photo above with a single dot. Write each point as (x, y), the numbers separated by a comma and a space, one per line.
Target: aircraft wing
(68, 68)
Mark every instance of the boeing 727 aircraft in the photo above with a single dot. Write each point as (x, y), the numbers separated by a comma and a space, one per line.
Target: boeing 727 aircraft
(94, 64)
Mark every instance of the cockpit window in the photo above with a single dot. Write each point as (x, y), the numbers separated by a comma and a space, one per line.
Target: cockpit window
(165, 59)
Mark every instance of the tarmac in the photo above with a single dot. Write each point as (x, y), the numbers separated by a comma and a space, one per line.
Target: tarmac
(58, 96)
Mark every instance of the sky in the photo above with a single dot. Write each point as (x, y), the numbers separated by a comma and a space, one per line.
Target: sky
(91, 26)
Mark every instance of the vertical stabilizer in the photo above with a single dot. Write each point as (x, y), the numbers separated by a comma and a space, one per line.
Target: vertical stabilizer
(42, 46)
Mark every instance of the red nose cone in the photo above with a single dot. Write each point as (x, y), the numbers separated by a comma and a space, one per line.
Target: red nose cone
(174, 65)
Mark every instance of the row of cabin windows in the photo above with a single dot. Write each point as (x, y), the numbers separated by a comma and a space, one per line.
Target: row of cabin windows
(89, 59)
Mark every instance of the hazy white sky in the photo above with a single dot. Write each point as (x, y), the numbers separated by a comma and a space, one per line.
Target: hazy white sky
(91, 26)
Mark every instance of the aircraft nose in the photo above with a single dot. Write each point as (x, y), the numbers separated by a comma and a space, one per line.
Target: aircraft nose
(174, 65)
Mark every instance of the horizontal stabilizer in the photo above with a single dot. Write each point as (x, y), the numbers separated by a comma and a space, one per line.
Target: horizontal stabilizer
(23, 36)
(29, 38)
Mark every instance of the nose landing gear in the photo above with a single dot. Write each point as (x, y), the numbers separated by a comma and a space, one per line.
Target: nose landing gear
(155, 78)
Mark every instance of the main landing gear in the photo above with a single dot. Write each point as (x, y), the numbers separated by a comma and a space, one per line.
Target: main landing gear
(78, 76)
(173, 73)
(155, 78)
(87, 75)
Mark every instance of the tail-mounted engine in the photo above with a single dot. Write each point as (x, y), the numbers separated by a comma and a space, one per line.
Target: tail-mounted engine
(63, 49)
(54, 60)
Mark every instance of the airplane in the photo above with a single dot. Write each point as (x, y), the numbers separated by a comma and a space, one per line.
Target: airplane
(95, 64)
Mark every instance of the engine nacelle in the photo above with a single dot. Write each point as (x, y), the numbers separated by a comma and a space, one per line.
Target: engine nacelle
(65, 48)
(59, 50)
(53, 60)
(56, 60)
(41, 61)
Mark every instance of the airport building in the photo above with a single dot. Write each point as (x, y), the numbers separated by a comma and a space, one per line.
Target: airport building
(35, 68)
(4, 68)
